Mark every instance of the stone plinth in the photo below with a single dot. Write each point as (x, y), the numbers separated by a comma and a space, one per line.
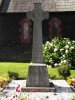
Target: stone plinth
(37, 75)
(38, 89)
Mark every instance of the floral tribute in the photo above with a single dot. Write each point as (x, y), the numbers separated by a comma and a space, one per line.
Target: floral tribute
(12, 91)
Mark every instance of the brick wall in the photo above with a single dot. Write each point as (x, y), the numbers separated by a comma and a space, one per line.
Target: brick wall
(11, 48)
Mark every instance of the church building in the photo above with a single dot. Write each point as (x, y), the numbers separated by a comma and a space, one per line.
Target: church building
(16, 29)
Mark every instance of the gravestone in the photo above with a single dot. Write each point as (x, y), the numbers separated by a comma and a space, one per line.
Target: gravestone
(37, 73)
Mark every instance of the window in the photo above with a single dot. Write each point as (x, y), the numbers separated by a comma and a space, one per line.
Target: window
(25, 30)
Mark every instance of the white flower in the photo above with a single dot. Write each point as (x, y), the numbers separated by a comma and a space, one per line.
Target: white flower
(66, 46)
(68, 42)
(51, 44)
(65, 61)
(55, 64)
(55, 49)
(63, 55)
(47, 65)
(47, 42)
(72, 47)
(62, 61)
(59, 64)
(45, 47)
(50, 60)
(66, 51)
(73, 41)
(61, 49)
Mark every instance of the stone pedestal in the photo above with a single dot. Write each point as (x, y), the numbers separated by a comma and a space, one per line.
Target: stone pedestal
(37, 76)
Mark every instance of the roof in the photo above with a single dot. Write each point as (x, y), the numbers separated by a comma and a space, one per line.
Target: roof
(47, 5)
(0, 2)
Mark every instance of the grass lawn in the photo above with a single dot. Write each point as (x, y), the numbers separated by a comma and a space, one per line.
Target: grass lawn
(22, 69)
(54, 72)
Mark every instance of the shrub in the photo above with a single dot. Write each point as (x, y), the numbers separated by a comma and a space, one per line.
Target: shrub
(69, 80)
(64, 71)
(13, 75)
(52, 76)
(3, 81)
(55, 77)
(58, 51)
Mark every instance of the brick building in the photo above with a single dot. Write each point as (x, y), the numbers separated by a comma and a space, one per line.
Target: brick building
(13, 45)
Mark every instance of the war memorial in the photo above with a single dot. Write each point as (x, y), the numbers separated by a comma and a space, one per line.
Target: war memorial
(24, 26)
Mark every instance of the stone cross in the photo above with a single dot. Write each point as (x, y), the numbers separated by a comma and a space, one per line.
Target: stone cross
(37, 16)
(37, 72)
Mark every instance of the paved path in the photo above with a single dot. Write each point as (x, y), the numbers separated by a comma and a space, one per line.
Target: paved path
(13, 92)
(62, 86)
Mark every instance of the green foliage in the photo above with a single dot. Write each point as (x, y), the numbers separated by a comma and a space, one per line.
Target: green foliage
(69, 80)
(58, 51)
(53, 73)
(52, 76)
(13, 75)
(20, 68)
(64, 71)
(5, 83)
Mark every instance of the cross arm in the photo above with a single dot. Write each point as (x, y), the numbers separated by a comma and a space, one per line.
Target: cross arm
(45, 15)
(30, 15)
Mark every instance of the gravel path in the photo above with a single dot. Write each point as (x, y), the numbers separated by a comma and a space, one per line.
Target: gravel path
(13, 92)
